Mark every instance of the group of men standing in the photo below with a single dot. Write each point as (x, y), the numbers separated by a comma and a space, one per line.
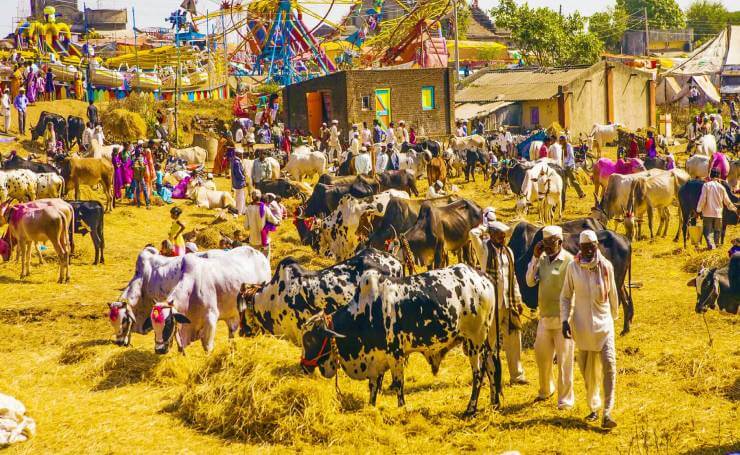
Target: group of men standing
(361, 139)
(577, 300)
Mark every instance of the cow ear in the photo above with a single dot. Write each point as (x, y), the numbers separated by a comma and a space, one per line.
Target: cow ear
(147, 325)
(691, 283)
(181, 318)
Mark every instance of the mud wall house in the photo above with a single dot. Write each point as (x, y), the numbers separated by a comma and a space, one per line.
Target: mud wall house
(661, 41)
(574, 97)
(423, 98)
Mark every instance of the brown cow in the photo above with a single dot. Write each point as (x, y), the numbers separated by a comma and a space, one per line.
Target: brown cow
(31, 222)
(89, 171)
(437, 170)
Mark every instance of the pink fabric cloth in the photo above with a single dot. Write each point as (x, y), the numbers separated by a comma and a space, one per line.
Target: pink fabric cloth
(720, 162)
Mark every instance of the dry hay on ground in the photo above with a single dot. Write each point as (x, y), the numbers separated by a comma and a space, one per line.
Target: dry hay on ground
(209, 236)
(122, 125)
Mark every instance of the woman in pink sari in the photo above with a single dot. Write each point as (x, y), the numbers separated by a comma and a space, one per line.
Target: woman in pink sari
(31, 87)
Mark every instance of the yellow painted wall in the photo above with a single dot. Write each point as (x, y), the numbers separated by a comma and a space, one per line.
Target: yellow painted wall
(548, 112)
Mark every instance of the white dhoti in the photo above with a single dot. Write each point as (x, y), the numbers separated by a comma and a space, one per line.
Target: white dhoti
(511, 343)
(241, 196)
(550, 343)
(598, 365)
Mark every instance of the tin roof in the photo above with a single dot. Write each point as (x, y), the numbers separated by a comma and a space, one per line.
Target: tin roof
(518, 85)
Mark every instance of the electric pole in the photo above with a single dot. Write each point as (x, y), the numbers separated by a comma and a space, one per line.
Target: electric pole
(457, 50)
(647, 33)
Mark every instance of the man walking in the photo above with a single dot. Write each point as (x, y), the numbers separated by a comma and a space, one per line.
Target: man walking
(259, 222)
(335, 148)
(548, 270)
(589, 300)
(261, 169)
(6, 110)
(378, 133)
(500, 268)
(238, 180)
(712, 200)
(21, 104)
(569, 165)
(92, 113)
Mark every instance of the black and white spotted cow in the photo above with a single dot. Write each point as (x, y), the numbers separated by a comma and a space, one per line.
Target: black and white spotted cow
(338, 233)
(18, 184)
(294, 294)
(390, 318)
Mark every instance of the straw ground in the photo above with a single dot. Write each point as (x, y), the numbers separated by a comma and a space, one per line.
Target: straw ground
(675, 393)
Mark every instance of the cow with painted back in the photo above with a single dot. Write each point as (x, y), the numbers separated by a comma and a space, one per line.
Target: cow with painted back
(390, 318)
(282, 306)
(205, 294)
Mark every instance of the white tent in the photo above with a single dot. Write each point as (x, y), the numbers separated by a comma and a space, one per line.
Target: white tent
(670, 91)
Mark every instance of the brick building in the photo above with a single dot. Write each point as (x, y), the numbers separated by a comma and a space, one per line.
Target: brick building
(424, 98)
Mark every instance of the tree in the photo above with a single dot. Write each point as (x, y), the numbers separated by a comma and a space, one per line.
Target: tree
(609, 26)
(733, 18)
(706, 17)
(662, 14)
(545, 37)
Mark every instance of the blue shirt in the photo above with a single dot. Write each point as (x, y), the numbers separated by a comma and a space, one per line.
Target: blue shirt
(378, 134)
(238, 180)
(21, 102)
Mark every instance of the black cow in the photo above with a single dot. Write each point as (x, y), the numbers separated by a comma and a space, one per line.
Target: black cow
(433, 146)
(439, 230)
(718, 286)
(655, 163)
(75, 128)
(89, 218)
(325, 198)
(615, 247)
(281, 187)
(16, 162)
(403, 180)
(688, 200)
(518, 172)
(390, 318)
(60, 127)
(473, 157)
(400, 216)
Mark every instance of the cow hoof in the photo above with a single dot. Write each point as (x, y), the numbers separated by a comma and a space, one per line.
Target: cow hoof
(469, 413)
(624, 332)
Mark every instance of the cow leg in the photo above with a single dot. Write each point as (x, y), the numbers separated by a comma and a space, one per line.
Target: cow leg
(650, 223)
(494, 372)
(77, 190)
(22, 254)
(208, 335)
(397, 374)
(375, 385)
(475, 364)
(37, 247)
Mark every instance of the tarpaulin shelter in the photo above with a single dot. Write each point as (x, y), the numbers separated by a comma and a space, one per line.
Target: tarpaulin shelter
(671, 91)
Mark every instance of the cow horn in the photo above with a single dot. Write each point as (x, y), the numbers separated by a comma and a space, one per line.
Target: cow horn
(338, 335)
(299, 211)
(395, 233)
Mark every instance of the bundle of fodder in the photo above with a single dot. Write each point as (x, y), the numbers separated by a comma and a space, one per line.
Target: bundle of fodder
(210, 236)
(257, 392)
(122, 125)
(698, 259)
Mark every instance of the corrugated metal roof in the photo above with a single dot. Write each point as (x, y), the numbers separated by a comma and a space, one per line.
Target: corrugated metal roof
(472, 110)
(517, 85)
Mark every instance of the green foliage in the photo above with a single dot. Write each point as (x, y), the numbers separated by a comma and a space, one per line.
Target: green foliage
(545, 37)
(706, 17)
(662, 14)
(733, 18)
(609, 26)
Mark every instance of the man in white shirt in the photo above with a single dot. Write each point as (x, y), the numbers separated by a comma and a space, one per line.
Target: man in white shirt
(436, 190)
(6, 110)
(381, 159)
(366, 135)
(87, 136)
(547, 268)
(402, 133)
(589, 301)
(334, 148)
(712, 200)
(354, 143)
(390, 136)
(258, 214)
(352, 132)
(569, 165)
(460, 131)
(555, 152)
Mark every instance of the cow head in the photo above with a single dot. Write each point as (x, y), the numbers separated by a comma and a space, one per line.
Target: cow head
(164, 319)
(5, 249)
(707, 289)
(122, 318)
(319, 345)
(630, 223)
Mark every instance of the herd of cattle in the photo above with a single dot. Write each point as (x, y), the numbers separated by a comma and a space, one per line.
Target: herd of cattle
(371, 310)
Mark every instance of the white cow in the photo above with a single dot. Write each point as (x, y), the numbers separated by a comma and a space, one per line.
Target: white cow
(49, 185)
(248, 165)
(706, 145)
(103, 151)
(338, 232)
(600, 135)
(549, 187)
(193, 155)
(698, 166)
(210, 199)
(305, 164)
(475, 141)
(534, 150)
(206, 294)
(154, 277)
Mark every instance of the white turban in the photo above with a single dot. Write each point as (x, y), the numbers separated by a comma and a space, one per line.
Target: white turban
(489, 217)
(498, 226)
(588, 236)
(552, 231)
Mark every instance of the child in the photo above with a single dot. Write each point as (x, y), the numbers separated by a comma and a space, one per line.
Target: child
(159, 178)
(176, 230)
(735, 247)
(167, 249)
(140, 177)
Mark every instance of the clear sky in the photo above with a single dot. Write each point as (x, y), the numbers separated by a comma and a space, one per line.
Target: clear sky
(153, 12)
